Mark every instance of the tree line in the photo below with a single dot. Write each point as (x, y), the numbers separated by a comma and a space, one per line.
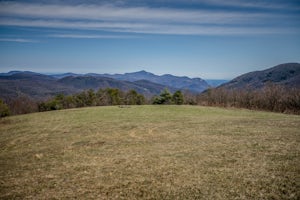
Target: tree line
(102, 97)
(271, 98)
(108, 97)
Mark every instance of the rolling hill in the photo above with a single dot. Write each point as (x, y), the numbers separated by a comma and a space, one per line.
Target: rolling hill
(287, 75)
(150, 152)
(35, 85)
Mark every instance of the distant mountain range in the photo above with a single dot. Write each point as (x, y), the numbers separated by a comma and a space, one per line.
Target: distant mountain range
(287, 75)
(36, 85)
(39, 86)
(31, 84)
(182, 83)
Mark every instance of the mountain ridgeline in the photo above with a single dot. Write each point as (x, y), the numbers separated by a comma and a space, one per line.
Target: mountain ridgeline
(40, 86)
(182, 83)
(286, 75)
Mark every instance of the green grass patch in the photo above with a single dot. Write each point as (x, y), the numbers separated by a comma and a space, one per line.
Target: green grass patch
(150, 152)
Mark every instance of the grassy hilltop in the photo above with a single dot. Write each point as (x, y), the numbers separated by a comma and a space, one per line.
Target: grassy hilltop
(150, 152)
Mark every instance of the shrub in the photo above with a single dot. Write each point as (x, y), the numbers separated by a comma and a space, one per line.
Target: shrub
(272, 97)
(22, 105)
(4, 110)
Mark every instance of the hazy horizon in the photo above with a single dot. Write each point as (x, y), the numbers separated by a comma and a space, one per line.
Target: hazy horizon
(84, 73)
(207, 39)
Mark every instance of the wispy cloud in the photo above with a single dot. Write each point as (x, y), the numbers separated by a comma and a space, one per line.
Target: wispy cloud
(81, 36)
(147, 19)
(111, 13)
(289, 5)
(262, 4)
(21, 40)
(152, 28)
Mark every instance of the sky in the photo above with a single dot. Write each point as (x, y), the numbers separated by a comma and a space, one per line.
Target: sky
(211, 39)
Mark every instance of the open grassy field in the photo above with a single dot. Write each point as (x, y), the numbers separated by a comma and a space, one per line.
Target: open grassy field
(150, 152)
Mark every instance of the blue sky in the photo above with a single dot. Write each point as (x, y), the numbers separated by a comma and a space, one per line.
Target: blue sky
(197, 38)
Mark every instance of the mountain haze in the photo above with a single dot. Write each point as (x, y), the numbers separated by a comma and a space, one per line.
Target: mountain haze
(216, 82)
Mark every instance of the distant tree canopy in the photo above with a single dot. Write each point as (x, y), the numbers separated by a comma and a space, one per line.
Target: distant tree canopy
(4, 110)
(166, 97)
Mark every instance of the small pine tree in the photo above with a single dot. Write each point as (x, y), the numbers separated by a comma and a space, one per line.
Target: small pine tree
(178, 98)
(165, 97)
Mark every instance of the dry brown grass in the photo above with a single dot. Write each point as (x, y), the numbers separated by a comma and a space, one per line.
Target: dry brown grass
(150, 152)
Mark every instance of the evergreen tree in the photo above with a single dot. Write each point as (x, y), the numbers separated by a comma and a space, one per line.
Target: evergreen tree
(133, 98)
(178, 98)
(114, 96)
(91, 98)
(165, 97)
(80, 99)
